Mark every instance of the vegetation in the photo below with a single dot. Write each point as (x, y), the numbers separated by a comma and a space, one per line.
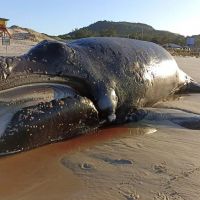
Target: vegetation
(130, 30)
(197, 40)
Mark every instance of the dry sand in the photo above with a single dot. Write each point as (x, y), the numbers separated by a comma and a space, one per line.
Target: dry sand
(149, 160)
(16, 48)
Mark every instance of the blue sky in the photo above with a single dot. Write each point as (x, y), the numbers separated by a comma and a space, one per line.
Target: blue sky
(61, 16)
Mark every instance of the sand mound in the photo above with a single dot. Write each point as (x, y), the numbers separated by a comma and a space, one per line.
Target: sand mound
(19, 33)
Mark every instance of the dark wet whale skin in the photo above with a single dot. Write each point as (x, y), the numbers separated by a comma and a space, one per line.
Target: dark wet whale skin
(140, 73)
(118, 75)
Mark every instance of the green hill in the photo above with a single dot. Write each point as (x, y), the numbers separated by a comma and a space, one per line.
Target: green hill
(122, 29)
(197, 40)
(126, 29)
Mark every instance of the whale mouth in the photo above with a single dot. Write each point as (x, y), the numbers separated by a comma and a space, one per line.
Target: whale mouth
(14, 99)
(36, 92)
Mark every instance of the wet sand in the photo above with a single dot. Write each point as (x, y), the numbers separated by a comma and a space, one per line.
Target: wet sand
(149, 160)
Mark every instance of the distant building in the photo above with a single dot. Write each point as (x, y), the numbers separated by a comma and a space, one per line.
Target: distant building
(190, 41)
(172, 46)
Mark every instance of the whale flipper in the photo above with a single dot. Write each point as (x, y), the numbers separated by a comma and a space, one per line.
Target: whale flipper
(191, 87)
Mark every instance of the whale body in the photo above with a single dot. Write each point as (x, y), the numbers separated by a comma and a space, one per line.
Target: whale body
(60, 90)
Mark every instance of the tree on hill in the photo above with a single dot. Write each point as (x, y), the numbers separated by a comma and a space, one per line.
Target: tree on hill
(110, 32)
(82, 33)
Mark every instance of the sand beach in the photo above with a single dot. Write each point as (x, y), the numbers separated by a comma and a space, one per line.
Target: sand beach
(148, 160)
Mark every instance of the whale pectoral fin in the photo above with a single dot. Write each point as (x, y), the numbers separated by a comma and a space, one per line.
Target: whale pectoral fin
(191, 87)
(48, 122)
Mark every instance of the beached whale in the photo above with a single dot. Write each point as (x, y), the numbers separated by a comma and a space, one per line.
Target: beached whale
(60, 90)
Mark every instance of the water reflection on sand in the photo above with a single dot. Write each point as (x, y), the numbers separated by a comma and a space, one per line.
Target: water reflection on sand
(31, 174)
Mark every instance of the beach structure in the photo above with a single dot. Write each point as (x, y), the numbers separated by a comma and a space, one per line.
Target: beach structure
(190, 42)
(3, 30)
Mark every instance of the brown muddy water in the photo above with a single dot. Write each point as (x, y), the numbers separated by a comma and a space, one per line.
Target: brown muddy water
(152, 159)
